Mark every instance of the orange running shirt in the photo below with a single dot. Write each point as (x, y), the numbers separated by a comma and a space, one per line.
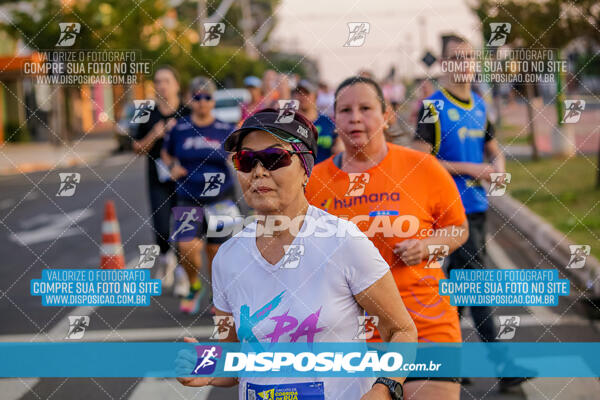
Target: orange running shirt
(408, 195)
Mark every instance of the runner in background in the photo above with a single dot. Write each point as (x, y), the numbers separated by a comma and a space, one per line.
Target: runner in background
(194, 154)
(393, 93)
(325, 100)
(253, 85)
(269, 88)
(390, 190)
(329, 143)
(456, 129)
(148, 140)
(424, 90)
(284, 91)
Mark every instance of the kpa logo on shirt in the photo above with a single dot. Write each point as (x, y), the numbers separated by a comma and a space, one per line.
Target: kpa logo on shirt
(431, 111)
(366, 327)
(223, 325)
(285, 324)
(498, 183)
(148, 254)
(357, 33)
(573, 111)
(499, 33)
(207, 359)
(437, 252)
(186, 220)
(358, 183)
(68, 33)
(579, 253)
(143, 108)
(508, 326)
(291, 258)
(68, 183)
(212, 33)
(212, 183)
(77, 325)
(287, 111)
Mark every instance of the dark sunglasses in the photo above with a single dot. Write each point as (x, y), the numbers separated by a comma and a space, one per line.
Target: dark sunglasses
(272, 158)
(202, 96)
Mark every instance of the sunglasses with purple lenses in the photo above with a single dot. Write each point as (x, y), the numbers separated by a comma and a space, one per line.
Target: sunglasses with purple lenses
(272, 158)
(202, 96)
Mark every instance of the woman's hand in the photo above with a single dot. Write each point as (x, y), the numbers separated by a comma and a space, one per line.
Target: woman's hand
(184, 365)
(377, 392)
(411, 251)
(177, 171)
(171, 122)
(483, 171)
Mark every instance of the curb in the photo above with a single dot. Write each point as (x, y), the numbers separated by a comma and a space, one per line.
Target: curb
(549, 241)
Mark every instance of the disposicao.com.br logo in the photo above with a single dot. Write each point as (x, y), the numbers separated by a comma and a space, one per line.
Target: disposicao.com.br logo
(323, 362)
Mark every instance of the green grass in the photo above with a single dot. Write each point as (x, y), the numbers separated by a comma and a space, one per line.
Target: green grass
(563, 193)
(512, 134)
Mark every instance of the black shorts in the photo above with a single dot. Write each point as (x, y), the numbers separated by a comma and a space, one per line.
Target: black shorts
(197, 225)
(472, 254)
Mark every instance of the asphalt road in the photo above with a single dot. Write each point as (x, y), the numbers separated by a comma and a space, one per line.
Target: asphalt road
(40, 230)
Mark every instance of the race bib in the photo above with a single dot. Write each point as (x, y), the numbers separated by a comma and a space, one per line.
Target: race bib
(287, 391)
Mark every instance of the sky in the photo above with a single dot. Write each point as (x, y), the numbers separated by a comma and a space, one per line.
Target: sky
(400, 32)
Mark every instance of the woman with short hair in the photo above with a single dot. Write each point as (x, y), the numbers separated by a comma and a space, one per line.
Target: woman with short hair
(281, 284)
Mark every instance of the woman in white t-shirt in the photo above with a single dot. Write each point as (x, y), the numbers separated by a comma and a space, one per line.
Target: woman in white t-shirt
(308, 281)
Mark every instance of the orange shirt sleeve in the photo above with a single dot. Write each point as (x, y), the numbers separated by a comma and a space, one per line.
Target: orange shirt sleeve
(447, 207)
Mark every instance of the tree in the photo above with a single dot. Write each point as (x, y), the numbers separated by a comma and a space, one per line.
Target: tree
(153, 28)
(549, 24)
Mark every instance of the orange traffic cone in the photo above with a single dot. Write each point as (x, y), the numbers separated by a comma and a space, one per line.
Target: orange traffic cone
(111, 256)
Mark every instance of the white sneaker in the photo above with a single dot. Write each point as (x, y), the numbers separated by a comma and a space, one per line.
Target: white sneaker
(160, 269)
(170, 263)
(182, 284)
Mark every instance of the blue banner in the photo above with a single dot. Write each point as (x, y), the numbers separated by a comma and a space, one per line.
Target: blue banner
(299, 359)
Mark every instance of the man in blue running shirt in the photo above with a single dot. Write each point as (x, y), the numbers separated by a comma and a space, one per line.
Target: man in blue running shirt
(453, 125)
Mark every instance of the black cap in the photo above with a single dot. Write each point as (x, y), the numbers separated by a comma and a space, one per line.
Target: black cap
(279, 124)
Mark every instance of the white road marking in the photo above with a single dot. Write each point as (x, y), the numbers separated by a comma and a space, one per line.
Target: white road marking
(6, 203)
(562, 388)
(59, 332)
(15, 388)
(550, 388)
(542, 313)
(52, 226)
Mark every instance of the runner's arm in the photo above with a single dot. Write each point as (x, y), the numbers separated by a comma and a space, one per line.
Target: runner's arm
(383, 299)
(142, 145)
(424, 140)
(212, 381)
(232, 337)
(414, 251)
(495, 155)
